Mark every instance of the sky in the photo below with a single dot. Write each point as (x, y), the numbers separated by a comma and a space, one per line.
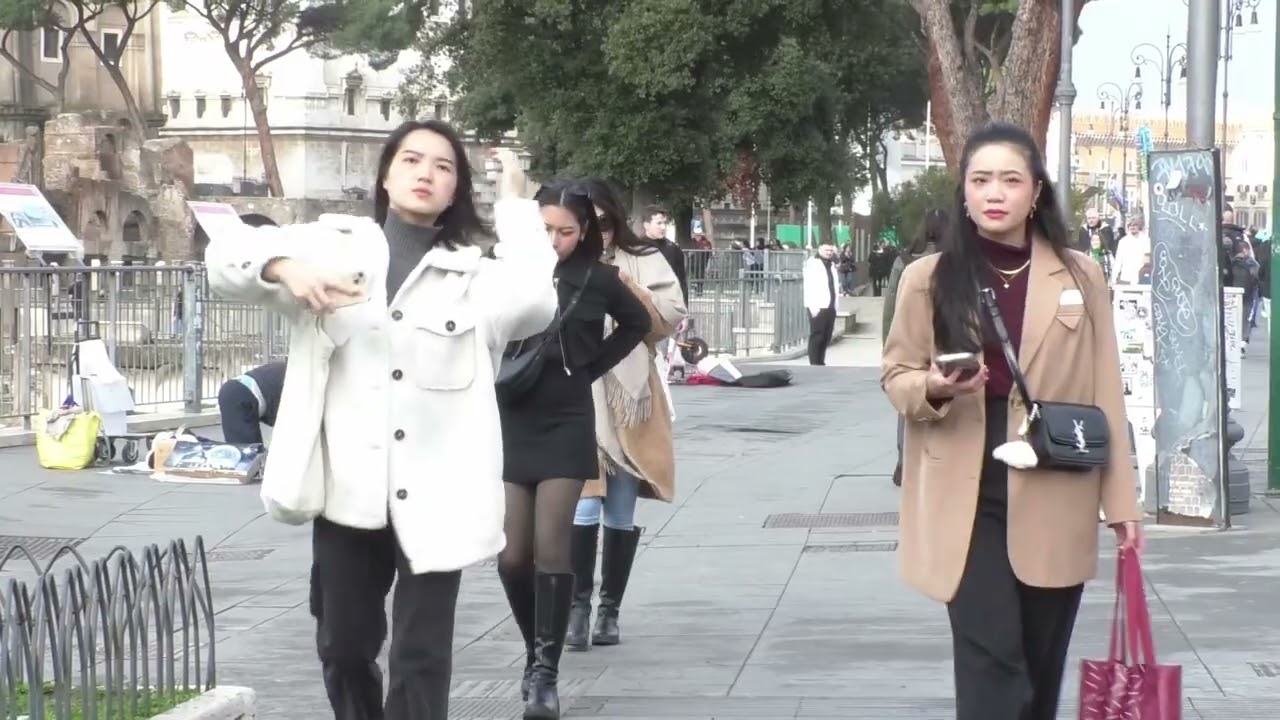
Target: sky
(1110, 29)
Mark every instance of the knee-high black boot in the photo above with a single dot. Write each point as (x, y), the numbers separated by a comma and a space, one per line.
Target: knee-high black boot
(554, 593)
(521, 597)
(618, 556)
(583, 559)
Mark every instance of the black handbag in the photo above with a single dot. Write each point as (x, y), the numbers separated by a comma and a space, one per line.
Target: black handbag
(1064, 436)
(523, 360)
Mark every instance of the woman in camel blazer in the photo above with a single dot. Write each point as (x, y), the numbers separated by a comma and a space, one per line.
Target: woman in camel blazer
(1007, 550)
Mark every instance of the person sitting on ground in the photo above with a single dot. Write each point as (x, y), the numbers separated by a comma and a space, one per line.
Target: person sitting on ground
(249, 401)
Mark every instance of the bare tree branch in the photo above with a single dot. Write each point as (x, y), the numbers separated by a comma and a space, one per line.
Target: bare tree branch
(299, 42)
(23, 67)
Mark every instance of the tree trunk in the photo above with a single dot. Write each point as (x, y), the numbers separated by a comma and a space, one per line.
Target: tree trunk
(822, 203)
(846, 210)
(23, 69)
(266, 145)
(955, 87)
(112, 66)
(64, 71)
(130, 103)
(943, 125)
(682, 216)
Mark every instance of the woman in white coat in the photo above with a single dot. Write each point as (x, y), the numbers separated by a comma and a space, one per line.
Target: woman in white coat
(388, 433)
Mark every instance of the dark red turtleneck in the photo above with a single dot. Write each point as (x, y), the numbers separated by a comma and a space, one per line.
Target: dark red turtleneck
(1012, 302)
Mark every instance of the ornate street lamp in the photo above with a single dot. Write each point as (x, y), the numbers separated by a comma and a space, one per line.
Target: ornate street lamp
(1173, 58)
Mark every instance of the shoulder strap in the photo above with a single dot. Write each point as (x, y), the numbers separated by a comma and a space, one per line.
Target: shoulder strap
(555, 326)
(577, 295)
(997, 321)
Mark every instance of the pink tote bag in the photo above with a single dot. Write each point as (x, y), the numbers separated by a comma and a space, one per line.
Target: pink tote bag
(1130, 684)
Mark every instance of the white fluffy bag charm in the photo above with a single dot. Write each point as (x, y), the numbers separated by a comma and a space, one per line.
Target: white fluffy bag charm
(1018, 454)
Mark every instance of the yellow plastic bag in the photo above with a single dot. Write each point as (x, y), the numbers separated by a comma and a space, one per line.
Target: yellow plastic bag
(75, 449)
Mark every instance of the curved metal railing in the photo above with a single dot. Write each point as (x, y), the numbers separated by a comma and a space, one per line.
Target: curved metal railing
(111, 639)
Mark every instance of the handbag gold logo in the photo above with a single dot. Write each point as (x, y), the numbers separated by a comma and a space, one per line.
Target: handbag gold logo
(1077, 427)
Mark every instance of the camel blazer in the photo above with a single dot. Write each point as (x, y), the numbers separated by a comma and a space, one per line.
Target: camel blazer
(1068, 353)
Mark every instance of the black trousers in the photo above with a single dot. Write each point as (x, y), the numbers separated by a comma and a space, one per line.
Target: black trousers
(241, 416)
(821, 327)
(351, 575)
(1010, 639)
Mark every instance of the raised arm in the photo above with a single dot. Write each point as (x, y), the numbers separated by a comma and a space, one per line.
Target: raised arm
(281, 267)
(514, 289)
(236, 263)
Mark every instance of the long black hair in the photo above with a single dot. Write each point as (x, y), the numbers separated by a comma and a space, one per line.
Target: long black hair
(957, 311)
(575, 197)
(460, 223)
(624, 238)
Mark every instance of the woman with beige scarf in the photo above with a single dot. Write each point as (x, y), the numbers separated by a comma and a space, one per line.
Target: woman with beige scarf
(633, 432)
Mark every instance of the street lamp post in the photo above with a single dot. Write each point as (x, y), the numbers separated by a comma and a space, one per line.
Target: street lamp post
(1273, 422)
(1165, 62)
(1235, 18)
(1119, 101)
(1065, 96)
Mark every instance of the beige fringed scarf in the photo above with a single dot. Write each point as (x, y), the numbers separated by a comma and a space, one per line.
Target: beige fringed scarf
(626, 386)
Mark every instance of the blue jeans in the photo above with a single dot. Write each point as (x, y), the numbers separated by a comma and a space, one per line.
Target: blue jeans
(622, 489)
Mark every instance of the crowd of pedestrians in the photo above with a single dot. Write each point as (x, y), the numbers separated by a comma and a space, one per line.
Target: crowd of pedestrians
(451, 393)
(455, 392)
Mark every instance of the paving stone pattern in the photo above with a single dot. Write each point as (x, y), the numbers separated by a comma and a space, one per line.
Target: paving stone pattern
(767, 590)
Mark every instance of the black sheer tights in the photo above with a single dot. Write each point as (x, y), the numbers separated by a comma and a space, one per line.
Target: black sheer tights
(538, 524)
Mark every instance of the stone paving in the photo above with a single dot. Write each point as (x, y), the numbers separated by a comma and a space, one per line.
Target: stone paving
(767, 590)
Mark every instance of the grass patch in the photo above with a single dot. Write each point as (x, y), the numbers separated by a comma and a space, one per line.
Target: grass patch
(160, 703)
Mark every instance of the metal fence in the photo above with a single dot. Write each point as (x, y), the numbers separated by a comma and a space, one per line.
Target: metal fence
(175, 343)
(747, 304)
(120, 637)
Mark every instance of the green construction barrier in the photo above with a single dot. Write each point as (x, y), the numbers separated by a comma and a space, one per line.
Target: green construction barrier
(793, 235)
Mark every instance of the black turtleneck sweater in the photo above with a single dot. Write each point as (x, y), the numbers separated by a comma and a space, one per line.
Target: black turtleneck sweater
(407, 244)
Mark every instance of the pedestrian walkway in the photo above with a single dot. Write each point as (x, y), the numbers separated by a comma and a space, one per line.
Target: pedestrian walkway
(767, 590)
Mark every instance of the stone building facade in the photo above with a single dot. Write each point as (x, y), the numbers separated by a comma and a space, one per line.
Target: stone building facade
(328, 117)
(89, 87)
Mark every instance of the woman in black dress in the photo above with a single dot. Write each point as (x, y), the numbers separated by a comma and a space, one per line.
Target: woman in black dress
(549, 436)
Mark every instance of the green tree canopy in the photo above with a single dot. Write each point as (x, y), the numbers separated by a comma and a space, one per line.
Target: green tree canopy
(679, 98)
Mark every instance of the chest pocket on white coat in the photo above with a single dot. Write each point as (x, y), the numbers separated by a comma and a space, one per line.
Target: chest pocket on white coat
(444, 347)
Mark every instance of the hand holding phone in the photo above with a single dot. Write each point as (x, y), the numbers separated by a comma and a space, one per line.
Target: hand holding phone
(959, 362)
(955, 374)
(360, 295)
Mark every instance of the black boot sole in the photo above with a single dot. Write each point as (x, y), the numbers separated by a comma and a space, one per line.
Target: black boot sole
(541, 712)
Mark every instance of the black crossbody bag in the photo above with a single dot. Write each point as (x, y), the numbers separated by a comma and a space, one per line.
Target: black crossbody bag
(1064, 436)
(522, 361)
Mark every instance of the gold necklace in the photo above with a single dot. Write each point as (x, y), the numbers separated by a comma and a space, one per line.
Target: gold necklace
(1007, 276)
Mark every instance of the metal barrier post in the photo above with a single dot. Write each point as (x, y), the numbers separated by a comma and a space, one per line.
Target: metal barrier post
(779, 317)
(22, 365)
(192, 340)
(112, 311)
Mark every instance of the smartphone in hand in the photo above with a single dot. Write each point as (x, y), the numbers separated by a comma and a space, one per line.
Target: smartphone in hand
(965, 362)
(360, 281)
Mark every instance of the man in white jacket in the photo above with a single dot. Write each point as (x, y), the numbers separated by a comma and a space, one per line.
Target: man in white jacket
(1131, 253)
(820, 283)
(388, 434)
